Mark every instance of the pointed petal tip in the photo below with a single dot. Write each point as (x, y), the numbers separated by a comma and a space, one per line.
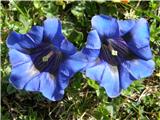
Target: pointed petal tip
(93, 40)
(10, 41)
(15, 85)
(52, 26)
(111, 93)
(57, 97)
(29, 39)
(143, 20)
(114, 95)
(103, 25)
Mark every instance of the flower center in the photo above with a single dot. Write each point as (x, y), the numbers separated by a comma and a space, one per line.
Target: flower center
(47, 59)
(115, 51)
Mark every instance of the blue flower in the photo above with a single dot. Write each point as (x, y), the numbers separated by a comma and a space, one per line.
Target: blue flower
(44, 60)
(125, 53)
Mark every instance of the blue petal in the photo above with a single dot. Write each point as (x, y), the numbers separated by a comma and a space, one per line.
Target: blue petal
(23, 69)
(70, 66)
(93, 45)
(139, 68)
(125, 26)
(138, 39)
(26, 41)
(47, 84)
(33, 84)
(93, 40)
(24, 75)
(52, 27)
(67, 47)
(18, 58)
(106, 26)
(50, 88)
(53, 32)
(125, 77)
(144, 53)
(21, 74)
(133, 70)
(107, 76)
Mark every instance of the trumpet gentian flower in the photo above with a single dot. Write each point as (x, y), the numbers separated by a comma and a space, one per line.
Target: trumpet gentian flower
(125, 53)
(44, 60)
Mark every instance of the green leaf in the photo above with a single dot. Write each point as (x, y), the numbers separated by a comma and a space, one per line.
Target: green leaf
(10, 89)
(93, 84)
(76, 37)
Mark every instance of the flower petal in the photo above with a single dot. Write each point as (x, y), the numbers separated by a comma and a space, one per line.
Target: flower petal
(53, 32)
(19, 78)
(67, 47)
(107, 76)
(70, 66)
(93, 40)
(52, 27)
(26, 41)
(18, 58)
(139, 68)
(133, 70)
(31, 79)
(106, 26)
(93, 45)
(144, 53)
(50, 88)
(22, 69)
(125, 26)
(47, 84)
(138, 39)
(125, 77)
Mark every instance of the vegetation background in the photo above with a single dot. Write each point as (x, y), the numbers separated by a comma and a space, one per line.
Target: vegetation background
(84, 99)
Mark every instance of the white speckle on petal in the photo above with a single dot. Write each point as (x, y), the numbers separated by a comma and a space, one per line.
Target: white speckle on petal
(135, 62)
(114, 70)
(52, 76)
(33, 71)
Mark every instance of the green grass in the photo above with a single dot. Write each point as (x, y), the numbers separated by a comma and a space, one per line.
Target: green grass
(84, 99)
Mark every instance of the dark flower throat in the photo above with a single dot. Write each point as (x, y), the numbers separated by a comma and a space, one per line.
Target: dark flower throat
(46, 58)
(115, 51)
